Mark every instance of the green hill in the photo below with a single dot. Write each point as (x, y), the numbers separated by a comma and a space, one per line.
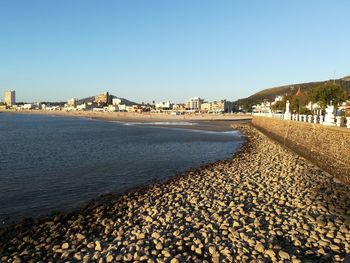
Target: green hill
(270, 93)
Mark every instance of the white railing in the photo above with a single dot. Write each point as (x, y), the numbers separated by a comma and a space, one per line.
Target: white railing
(315, 119)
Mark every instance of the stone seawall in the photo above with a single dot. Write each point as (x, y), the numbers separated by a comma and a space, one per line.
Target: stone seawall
(327, 147)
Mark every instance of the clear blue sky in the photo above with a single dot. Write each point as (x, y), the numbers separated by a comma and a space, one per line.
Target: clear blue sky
(168, 50)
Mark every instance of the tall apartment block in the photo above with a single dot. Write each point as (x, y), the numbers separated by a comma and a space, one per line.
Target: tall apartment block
(10, 97)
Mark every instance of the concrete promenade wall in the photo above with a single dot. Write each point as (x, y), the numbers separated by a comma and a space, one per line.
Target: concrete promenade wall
(327, 147)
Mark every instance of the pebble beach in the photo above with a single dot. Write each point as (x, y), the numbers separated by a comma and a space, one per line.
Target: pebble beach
(266, 204)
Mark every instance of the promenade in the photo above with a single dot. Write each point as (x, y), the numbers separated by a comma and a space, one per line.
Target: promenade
(266, 204)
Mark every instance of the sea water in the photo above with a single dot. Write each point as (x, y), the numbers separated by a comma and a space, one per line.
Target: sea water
(50, 163)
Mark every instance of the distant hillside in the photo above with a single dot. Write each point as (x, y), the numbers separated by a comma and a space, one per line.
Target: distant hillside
(270, 93)
(92, 98)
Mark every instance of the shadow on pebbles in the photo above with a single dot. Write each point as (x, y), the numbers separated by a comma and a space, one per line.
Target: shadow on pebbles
(266, 204)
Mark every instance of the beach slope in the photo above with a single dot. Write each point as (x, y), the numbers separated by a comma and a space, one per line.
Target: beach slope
(266, 204)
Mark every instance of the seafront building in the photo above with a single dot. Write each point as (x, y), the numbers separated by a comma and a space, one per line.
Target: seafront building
(194, 104)
(263, 107)
(28, 106)
(217, 106)
(72, 103)
(206, 107)
(102, 99)
(116, 101)
(163, 105)
(10, 97)
(179, 107)
(222, 106)
(82, 107)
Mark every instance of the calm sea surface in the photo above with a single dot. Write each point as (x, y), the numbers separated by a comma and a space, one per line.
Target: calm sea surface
(52, 163)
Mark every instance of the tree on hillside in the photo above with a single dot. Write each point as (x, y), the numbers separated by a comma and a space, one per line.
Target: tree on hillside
(247, 106)
(279, 106)
(296, 103)
(323, 95)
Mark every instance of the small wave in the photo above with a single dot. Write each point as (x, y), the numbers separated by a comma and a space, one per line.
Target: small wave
(235, 133)
(161, 123)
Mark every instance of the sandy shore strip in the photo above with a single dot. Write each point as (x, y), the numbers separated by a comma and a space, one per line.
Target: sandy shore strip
(267, 204)
(135, 116)
(209, 122)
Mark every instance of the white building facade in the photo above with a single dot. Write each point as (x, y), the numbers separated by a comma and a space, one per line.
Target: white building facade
(10, 97)
(163, 105)
(194, 104)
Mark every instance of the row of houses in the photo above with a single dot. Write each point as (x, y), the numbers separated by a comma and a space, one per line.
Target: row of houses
(107, 103)
(196, 105)
(266, 107)
(103, 103)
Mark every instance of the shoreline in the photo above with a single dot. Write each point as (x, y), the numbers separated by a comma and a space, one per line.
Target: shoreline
(214, 122)
(266, 203)
(203, 126)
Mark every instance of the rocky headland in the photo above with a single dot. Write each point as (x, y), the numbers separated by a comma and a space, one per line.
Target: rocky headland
(266, 204)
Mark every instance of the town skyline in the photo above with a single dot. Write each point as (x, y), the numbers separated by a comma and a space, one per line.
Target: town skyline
(106, 102)
(149, 50)
(172, 100)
